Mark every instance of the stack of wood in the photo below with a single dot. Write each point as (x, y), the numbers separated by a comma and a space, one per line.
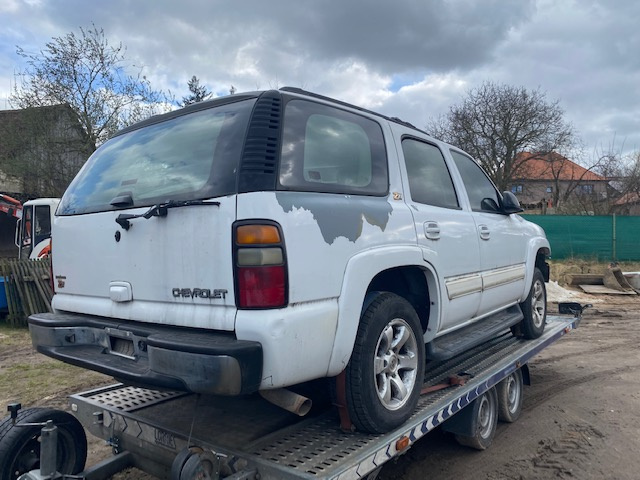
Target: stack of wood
(27, 285)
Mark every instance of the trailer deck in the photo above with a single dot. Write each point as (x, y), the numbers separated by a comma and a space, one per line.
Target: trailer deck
(248, 435)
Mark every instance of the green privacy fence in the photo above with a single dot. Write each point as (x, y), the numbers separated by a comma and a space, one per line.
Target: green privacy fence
(604, 238)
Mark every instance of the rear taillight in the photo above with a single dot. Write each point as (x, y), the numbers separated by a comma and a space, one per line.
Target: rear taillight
(260, 265)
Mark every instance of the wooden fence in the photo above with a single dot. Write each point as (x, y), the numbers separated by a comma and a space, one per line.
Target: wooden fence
(27, 284)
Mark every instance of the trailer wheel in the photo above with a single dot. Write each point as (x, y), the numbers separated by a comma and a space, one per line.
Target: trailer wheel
(509, 393)
(193, 463)
(385, 373)
(485, 418)
(20, 446)
(534, 308)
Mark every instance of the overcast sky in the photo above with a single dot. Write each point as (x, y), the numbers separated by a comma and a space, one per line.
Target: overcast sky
(407, 58)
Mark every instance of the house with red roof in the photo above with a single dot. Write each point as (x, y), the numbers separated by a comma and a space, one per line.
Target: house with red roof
(627, 204)
(553, 181)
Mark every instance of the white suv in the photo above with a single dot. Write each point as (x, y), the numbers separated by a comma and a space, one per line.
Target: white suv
(261, 240)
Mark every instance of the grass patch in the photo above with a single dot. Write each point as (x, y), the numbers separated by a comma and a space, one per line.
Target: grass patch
(34, 379)
(33, 383)
(14, 336)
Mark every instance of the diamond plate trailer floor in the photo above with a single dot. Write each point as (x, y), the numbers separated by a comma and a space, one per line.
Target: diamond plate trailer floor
(250, 437)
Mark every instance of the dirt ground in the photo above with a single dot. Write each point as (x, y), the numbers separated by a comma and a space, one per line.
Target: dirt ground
(580, 416)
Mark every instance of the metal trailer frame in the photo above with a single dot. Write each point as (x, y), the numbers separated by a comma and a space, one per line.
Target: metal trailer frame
(248, 438)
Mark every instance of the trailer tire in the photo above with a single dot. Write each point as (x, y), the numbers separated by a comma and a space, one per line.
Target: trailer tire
(485, 418)
(509, 393)
(386, 370)
(534, 309)
(20, 446)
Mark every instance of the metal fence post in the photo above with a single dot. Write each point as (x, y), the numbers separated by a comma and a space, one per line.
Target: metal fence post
(613, 243)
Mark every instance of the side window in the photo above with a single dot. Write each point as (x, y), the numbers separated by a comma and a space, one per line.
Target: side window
(43, 223)
(483, 196)
(325, 149)
(429, 179)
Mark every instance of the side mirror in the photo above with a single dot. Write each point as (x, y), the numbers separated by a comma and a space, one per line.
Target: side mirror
(510, 203)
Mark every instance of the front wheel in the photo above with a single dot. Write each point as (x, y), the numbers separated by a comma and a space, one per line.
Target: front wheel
(386, 370)
(20, 446)
(534, 308)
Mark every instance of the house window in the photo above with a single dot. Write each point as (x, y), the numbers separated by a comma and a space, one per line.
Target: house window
(516, 189)
(549, 189)
(586, 189)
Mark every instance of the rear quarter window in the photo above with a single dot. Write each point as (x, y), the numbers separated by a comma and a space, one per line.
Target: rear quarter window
(326, 149)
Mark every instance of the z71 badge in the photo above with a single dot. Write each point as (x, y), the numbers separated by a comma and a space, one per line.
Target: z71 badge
(199, 293)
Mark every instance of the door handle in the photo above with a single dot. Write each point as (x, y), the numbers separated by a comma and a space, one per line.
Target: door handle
(485, 233)
(432, 230)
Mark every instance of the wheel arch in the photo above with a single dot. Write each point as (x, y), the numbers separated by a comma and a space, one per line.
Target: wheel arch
(538, 253)
(394, 269)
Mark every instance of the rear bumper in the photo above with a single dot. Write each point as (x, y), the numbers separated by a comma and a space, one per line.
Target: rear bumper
(152, 356)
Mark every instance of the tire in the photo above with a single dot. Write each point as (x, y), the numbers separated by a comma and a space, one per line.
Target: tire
(534, 308)
(386, 370)
(20, 446)
(509, 393)
(486, 421)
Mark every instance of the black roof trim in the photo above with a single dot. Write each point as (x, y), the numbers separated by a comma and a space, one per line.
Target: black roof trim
(300, 91)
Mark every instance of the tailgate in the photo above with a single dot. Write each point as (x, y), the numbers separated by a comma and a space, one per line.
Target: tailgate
(174, 269)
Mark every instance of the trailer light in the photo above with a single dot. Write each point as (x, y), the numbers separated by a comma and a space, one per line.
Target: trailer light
(402, 443)
(257, 234)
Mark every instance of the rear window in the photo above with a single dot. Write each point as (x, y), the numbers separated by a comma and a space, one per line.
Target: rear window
(192, 156)
(326, 149)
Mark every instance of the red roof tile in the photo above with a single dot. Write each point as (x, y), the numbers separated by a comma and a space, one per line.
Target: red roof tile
(552, 166)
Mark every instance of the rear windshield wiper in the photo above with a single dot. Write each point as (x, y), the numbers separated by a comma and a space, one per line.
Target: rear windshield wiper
(160, 210)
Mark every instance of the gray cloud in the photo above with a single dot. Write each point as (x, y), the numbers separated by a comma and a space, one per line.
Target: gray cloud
(409, 58)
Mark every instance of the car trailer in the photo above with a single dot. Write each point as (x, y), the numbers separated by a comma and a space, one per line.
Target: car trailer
(183, 436)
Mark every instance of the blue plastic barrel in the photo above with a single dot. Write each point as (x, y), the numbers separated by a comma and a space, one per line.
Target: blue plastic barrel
(3, 295)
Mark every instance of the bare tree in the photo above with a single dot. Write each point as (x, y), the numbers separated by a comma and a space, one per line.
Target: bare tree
(624, 172)
(83, 70)
(494, 123)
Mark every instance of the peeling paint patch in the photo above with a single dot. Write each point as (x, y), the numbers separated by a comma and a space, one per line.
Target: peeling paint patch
(339, 215)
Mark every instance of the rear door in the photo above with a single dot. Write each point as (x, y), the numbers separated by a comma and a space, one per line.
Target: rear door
(144, 231)
(445, 231)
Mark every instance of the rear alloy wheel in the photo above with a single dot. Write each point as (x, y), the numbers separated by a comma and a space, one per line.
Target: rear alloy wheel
(534, 308)
(386, 370)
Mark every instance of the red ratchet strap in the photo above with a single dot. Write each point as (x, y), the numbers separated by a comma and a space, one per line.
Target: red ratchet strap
(341, 402)
(453, 380)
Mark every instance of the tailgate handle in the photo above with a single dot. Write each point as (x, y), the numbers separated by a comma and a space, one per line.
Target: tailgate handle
(120, 291)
